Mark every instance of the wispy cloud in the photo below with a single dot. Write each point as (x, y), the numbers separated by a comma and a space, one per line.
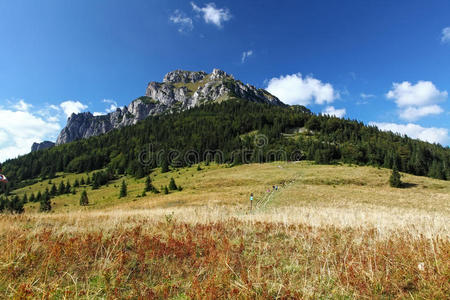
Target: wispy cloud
(212, 14)
(430, 134)
(367, 96)
(111, 108)
(295, 89)
(184, 23)
(417, 100)
(445, 38)
(245, 55)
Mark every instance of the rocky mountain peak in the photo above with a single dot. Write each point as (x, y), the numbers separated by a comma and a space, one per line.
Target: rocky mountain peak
(179, 90)
(180, 76)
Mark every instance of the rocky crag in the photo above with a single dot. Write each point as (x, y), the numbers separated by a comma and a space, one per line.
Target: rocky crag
(180, 90)
(41, 146)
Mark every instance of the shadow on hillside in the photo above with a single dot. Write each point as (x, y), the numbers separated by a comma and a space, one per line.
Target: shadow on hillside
(407, 185)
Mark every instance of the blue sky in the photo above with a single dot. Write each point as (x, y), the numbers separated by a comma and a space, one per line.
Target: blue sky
(381, 62)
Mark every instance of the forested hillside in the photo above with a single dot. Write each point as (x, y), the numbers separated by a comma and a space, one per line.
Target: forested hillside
(243, 132)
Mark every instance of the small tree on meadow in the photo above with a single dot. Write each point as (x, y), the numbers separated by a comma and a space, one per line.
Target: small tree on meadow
(84, 200)
(45, 205)
(61, 188)
(53, 190)
(123, 189)
(394, 180)
(148, 184)
(172, 185)
(165, 190)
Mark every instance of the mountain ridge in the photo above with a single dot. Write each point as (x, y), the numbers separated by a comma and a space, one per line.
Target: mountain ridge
(180, 90)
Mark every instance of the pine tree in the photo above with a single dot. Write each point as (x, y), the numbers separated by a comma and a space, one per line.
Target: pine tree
(148, 184)
(149, 187)
(394, 180)
(53, 190)
(123, 189)
(165, 165)
(68, 187)
(17, 205)
(25, 198)
(32, 198)
(166, 190)
(172, 184)
(61, 188)
(39, 197)
(95, 183)
(76, 183)
(82, 182)
(88, 181)
(45, 204)
(84, 200)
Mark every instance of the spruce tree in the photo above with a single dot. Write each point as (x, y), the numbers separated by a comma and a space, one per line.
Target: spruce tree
(123, 189)
(165, 166)
(39, 197)
(172, 184)
(82, 182)
(394, 180)
(61, 188)
(149, 186)
(76, 183)
(84, 200)
(68, 187)
(32, 198)
(45, 205)
(25, 198)
(53, 190)
(166, 190)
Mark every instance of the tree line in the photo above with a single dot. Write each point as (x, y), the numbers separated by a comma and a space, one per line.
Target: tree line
(227, 127)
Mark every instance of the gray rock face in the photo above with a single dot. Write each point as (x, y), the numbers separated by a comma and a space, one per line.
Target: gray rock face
(41, 146)
(179, 90)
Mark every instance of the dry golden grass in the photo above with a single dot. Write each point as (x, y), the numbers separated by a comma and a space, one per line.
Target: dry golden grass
(329, 231)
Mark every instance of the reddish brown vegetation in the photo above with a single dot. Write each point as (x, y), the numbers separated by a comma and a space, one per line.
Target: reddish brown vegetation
(221, 260)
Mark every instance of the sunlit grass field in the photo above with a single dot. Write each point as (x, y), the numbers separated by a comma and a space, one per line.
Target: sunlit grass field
(328, 232)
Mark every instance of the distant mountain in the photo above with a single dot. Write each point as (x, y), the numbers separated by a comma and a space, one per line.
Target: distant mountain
(41, 146)
(180, 90)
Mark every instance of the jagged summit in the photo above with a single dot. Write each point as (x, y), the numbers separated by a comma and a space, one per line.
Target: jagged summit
(180, 90)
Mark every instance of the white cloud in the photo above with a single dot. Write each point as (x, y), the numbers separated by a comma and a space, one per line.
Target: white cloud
(22, 105)
(245, 55)
(415, 113)
(21, 129)
(330, 110)
(423, 93)
(184, 23)
(294, 89)
(112, 107)
(367, 96)
(417, 100)
(445, 35)
(70, 107)
(431, 134)
(213, 15)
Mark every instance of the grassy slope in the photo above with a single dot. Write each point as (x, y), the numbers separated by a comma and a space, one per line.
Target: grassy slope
(330, 231)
